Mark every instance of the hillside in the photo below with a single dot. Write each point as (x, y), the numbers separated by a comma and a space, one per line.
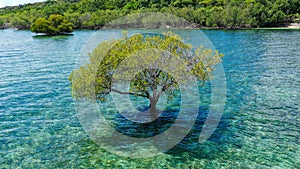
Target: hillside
(93, 14)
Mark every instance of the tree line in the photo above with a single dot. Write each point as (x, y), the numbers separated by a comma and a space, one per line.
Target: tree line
(94, 14)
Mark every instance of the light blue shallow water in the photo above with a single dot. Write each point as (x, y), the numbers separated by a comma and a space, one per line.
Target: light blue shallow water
(260, 127)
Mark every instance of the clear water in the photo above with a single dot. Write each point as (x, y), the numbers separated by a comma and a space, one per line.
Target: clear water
(260, 127)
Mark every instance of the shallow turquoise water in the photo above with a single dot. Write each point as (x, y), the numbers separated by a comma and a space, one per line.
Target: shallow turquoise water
(260, 127)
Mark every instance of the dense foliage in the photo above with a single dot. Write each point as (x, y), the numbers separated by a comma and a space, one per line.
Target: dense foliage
(118, 61)
(209, 13)
(55, 25)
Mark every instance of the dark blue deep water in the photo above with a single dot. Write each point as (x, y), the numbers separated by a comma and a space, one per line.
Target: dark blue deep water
(260, 127)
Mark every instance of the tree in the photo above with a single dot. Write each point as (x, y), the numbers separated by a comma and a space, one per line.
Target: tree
(151, 80)
(74, 18)
(55, 25)
(41, 25)
(1, 23)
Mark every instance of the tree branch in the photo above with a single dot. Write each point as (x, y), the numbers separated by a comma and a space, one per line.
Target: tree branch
(165, 88)
(130, 93)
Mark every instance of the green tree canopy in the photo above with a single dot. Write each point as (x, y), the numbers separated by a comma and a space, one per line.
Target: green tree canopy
(54, 25)
(153, 65)
(94, 14)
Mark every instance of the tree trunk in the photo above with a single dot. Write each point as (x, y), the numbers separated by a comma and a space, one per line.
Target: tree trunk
(153, 110)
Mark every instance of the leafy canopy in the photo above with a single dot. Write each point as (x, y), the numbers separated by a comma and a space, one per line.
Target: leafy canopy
(141, 61)
(54, 25)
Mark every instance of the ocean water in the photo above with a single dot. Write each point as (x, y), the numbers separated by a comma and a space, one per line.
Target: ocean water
(260, 126)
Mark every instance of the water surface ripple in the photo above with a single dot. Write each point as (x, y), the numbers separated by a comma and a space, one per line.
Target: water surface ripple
(259, 129)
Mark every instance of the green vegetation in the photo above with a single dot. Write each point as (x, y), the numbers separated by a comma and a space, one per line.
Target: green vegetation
(119, 60)
(55, 25)
(93, 14)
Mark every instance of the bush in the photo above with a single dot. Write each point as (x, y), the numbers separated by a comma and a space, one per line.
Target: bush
(55, 25)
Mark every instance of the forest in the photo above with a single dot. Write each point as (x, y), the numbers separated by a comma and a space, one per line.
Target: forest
(94, 14)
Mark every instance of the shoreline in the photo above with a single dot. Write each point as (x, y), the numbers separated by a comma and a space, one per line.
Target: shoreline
(187, 28)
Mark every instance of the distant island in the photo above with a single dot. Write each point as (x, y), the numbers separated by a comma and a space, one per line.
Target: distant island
(94, 14)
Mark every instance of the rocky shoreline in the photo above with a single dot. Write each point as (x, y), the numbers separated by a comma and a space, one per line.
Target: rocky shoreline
(294, 25)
